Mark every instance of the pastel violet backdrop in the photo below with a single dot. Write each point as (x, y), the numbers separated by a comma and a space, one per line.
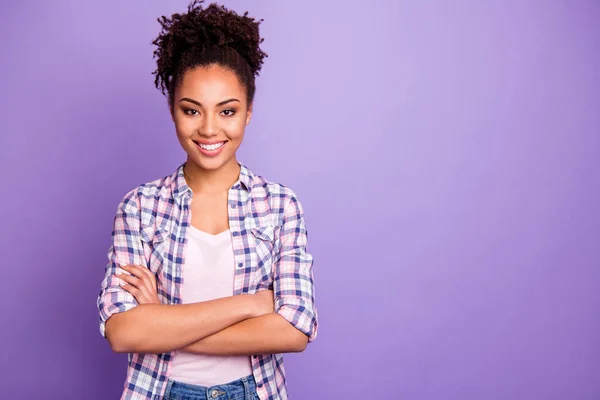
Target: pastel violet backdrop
(447, 154)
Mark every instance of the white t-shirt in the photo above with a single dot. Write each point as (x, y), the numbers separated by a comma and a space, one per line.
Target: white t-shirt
(208, 274)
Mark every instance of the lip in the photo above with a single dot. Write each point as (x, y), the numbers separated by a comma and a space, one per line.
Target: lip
(209, 141)
(209, 153)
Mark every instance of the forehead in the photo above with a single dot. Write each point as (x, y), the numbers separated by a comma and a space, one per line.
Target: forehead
(210, 84)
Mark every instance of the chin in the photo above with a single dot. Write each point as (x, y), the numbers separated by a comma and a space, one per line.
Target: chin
(207, 163)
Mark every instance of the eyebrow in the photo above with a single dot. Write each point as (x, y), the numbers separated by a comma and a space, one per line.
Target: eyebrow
(200, 105)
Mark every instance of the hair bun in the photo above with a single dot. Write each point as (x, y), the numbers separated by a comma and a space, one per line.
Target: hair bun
(203, 35)
(213, 26)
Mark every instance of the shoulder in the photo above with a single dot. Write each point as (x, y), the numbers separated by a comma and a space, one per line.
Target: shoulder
(146, 194)
(280, 197)
(263, 187)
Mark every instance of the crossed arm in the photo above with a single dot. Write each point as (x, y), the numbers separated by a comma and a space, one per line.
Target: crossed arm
(135, 321)
(236, 325)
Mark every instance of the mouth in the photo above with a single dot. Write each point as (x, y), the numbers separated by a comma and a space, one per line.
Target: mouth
(211, 149)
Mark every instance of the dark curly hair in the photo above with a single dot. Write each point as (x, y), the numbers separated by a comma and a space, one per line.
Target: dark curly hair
(203, 37)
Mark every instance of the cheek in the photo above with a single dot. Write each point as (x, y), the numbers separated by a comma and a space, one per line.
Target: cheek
(182, 137)
(235, 129)
(184, 127)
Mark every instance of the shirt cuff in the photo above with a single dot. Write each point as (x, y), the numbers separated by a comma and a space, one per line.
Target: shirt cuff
(108, 307)
(302, 317)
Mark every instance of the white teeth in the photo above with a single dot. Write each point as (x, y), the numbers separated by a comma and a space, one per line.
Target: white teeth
(211, 146)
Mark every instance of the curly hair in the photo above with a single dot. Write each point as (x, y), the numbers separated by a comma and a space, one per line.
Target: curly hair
(203, 37)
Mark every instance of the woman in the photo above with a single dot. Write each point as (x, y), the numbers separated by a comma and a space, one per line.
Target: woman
(209, 278)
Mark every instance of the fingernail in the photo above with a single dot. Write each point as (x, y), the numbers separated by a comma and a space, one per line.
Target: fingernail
(119, 272)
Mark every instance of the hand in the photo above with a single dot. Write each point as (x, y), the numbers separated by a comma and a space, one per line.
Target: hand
(140, 282)
(265, 304)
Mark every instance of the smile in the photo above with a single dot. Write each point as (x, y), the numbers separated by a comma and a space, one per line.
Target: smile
(211, 150)
(211, 147)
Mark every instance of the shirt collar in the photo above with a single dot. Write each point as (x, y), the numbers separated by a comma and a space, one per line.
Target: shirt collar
(180, 186)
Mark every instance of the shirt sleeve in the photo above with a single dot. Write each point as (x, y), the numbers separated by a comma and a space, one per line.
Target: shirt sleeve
(293, 281)
(126, 248)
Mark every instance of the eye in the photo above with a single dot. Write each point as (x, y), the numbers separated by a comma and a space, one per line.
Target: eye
(190, 111)
(229, 112)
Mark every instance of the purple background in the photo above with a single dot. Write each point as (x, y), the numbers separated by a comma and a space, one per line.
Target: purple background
(448, 158)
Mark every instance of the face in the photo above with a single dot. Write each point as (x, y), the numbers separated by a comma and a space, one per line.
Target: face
(210, 113)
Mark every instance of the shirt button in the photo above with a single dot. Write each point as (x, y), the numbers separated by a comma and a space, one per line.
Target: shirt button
(181, 240)
(240, 265)
(175, 301)
(260, 385)
(235, 233)
(232, 205)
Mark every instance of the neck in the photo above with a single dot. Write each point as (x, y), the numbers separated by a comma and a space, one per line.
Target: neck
(211, 181)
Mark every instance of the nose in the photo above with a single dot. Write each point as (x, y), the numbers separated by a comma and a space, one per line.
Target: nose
(210, 126)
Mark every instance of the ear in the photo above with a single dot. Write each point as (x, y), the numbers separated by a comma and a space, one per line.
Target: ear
(249, 114)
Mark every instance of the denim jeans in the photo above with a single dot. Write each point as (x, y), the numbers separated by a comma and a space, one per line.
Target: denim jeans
(241, 389)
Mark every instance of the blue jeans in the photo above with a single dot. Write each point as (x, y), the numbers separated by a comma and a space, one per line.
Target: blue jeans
(241, 389)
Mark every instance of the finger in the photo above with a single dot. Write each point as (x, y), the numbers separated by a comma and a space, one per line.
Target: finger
(144, 275)
(136, 271)
(127, 268)
(137, 289)
(131, 280)
(145, 284)
(151, 281)
(135, 292)
(149, 275)
(140, 279)
(140, 294)
(122, 269)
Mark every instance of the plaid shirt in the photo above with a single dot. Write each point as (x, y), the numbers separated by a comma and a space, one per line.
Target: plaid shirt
(269, 243)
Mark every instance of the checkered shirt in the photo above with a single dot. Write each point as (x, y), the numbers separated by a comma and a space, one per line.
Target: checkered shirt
(269, 237)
